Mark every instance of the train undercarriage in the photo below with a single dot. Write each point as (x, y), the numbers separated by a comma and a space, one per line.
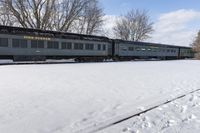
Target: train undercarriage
(20, 58)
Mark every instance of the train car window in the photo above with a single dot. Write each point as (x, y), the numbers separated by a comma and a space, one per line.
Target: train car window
(168, 50)
(137, 49)
(124, 49)
(23, 44)
(75, 46)
(131, 49)
(40, 44)
(33, 44)
(63, 45)
(104, 47)
(19, 43)
(52, 45)
(15, 43)
(37, 44)
(69, 45)
(78, 46)
(99, 47)
(154, 50)
(66, 45)
(89, 46)
(3, 42)
(56, 45)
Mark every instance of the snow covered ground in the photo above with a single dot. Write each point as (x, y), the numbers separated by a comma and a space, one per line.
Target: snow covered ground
(72, 98)
(180, 116)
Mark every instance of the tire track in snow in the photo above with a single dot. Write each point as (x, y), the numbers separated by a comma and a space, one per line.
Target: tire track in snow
(106, 124)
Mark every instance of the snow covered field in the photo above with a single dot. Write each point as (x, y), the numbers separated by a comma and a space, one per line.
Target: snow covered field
(180, 116)
(72, 98)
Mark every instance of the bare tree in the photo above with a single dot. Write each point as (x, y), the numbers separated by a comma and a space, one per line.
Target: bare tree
(5, 17)
(91, 20)
(135, 26)
(31, 13)
(196, 45)
(121, 29)
(45, 14)
(67, 12)
(60, 15)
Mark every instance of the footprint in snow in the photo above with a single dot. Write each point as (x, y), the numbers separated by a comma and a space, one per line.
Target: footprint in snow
(118, 106)
(129, 130)
(169, 123)
(126, 129)
(184, 109)
(196, 105)
(145, 122)
(190, 117)
(84, 119)
(146, 125)
(145, 118)
(193, 97)
(141, 108)
(81, 122)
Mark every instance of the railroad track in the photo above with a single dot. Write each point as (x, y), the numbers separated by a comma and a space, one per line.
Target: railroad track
(122, 118)
(68, 62)
(41, 62)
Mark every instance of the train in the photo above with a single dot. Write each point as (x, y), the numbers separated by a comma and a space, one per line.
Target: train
(26, 44)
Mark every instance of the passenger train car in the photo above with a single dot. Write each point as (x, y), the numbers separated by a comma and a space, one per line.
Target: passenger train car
(126, 50)
(23, 44)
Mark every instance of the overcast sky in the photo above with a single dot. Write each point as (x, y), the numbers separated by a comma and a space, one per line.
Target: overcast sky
(175, 21)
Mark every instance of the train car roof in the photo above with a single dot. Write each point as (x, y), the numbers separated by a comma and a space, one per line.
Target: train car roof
(67, 35)
(151, 44)
(48, 33)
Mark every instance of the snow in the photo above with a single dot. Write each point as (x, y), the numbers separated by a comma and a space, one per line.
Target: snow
(181, 116)
(81, 97)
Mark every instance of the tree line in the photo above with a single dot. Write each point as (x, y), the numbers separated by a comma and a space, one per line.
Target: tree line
(78, 16)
